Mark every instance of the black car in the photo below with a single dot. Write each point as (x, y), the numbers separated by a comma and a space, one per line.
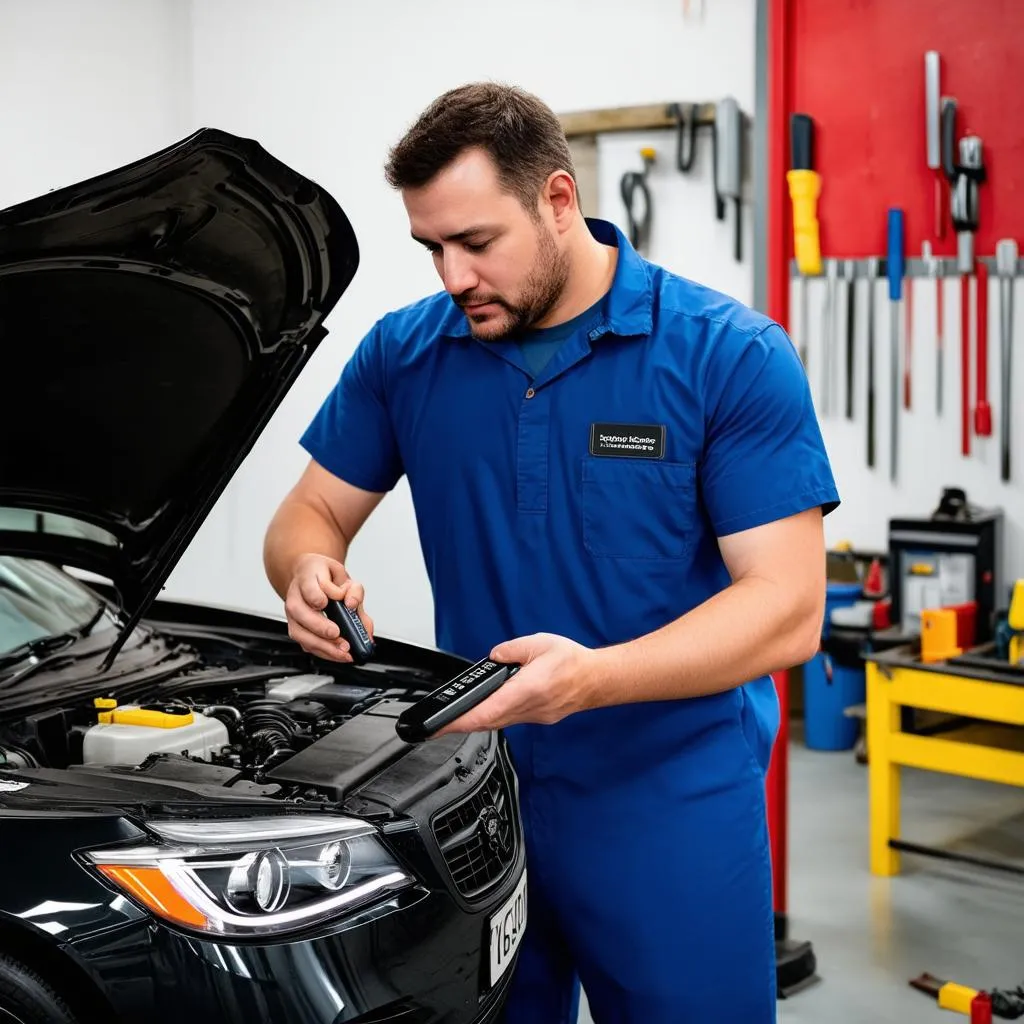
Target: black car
(199, 821)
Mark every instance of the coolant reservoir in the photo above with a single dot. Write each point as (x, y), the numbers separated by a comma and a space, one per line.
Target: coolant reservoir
(130, 733)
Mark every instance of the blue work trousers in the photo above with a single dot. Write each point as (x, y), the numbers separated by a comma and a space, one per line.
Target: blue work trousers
(649, 883)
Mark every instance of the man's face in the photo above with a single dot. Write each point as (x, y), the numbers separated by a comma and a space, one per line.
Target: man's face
(503, 267)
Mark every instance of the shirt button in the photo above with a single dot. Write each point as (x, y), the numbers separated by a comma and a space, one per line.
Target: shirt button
(530, 392)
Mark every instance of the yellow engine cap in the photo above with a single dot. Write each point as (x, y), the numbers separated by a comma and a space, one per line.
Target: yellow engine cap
(150, 718)
(104, 705)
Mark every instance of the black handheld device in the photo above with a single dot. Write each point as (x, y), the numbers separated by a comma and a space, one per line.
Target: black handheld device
(360, 646)
(448, 702)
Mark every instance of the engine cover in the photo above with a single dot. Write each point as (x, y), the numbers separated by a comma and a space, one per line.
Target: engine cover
(349, 755)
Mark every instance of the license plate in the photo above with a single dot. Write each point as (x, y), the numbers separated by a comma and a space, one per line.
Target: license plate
(507, 927)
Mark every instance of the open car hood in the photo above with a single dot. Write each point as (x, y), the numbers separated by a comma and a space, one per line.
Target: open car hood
(151, 320)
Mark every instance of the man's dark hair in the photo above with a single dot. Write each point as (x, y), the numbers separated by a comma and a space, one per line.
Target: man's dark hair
(521, 133)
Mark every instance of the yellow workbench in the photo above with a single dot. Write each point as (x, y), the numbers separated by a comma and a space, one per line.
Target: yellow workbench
(897, 678)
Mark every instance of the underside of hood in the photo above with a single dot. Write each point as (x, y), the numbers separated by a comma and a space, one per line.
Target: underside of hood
(151, 320)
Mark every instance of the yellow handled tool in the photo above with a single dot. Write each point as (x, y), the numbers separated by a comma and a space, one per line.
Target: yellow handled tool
(804, 190)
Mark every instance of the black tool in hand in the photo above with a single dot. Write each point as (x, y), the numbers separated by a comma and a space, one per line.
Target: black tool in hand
(360, 646)
(455, 698)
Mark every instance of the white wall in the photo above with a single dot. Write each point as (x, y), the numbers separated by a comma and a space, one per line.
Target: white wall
(328, 86)
(929, 452)
(87, 87)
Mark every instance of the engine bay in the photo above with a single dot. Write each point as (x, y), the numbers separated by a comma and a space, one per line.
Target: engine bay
(304, 737)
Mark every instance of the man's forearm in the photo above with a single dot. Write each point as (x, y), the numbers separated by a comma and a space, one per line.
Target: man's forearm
(298, 529)
(749, 629)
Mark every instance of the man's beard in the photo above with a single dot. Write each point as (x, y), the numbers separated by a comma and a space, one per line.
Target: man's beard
(541, 291)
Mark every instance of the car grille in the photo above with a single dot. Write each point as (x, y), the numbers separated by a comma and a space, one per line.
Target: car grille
(479, 838)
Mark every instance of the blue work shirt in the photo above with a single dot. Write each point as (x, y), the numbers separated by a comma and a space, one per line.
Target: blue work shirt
(587, 500)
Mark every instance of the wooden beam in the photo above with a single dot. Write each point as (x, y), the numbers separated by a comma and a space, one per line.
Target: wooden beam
(629, 119)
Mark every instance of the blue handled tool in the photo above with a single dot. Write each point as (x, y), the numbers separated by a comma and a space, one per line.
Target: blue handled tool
(894, 270)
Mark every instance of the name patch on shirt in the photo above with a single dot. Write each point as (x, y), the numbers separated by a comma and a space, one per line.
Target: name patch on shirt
(627, 440)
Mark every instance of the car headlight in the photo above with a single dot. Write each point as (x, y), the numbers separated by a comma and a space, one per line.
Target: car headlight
(253, 877)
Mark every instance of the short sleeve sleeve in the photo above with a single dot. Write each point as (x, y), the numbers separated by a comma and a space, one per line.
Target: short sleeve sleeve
(352, 435)
(764, 455)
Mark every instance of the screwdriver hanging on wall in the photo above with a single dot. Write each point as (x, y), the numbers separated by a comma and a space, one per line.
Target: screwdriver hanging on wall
(1006, 269)
(851, 298)
(982, 410)
(872, 265)
(894, 272)
(804, 188)
(933, 132)
(965, 177)
(933, 269)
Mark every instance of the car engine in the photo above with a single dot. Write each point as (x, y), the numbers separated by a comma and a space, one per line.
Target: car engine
(303, 736)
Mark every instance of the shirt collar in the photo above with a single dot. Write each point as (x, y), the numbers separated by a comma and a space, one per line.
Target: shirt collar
(627, 307)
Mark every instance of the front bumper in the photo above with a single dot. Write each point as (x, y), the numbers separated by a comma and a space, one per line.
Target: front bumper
(417, 963)
(421, 956)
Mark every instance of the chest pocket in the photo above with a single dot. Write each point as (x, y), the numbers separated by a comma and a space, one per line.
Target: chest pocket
(639, 508)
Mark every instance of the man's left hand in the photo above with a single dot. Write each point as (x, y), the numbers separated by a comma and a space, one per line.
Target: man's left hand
(555, 680)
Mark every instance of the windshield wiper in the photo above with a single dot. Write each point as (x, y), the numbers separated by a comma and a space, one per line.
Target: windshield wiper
(44, 646)
(39, 648)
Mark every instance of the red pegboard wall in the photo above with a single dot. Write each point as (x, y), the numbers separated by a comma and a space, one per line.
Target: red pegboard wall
(857, 67)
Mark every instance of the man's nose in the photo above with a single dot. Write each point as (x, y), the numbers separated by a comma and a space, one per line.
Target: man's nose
(459, 275)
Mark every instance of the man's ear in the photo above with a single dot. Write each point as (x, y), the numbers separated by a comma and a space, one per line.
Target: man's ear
(559, 194)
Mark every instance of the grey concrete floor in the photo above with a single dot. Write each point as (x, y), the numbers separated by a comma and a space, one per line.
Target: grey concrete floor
(871, 935)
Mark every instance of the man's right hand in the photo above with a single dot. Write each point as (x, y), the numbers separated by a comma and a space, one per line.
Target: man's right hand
(317, 579)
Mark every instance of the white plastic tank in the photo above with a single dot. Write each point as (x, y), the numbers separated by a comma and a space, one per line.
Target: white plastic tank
(128, 738)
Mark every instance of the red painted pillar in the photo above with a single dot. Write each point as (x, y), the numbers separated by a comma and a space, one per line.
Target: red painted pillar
(777, 787)
(780, 247)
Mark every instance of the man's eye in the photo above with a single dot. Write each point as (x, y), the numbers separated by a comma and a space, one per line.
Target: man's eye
(477, 246)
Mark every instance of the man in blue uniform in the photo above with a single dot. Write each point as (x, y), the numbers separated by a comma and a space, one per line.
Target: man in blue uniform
(619, 482)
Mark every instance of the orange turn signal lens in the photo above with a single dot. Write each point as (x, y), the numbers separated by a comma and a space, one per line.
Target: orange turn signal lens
(151, 887)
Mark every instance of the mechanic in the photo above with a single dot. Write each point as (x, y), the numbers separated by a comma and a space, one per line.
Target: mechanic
(619, 482)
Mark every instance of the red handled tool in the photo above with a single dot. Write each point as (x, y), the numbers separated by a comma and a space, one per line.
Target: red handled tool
(932, 68)
(966, 176)
(982, 411)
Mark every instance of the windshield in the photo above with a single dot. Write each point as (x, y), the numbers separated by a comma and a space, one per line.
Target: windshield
(39, 601)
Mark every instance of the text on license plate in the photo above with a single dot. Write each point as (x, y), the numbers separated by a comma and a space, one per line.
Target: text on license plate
(507, 926)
